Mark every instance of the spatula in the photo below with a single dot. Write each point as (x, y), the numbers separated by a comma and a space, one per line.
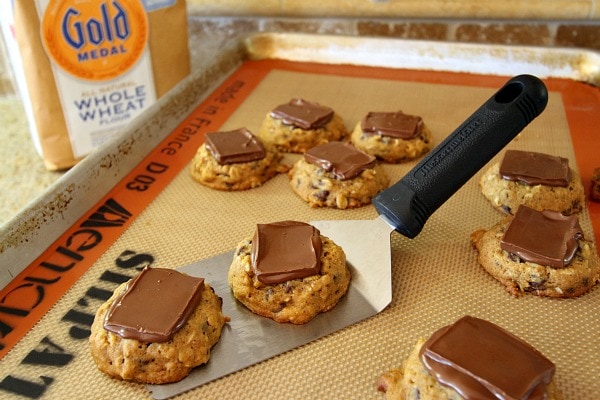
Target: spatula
(404, 207)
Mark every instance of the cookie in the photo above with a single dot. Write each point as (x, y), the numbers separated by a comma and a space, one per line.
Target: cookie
(283, 293)
(177, 335)
(533, 188)
(416, 380)
(235, 160)
(337, 175)
(392, 136)
(413, 381)
(532, 263)
(299, 125)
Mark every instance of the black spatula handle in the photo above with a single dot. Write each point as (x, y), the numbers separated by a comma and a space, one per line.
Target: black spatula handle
(408, 204)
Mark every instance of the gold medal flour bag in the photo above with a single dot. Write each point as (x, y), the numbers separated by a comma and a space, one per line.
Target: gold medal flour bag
(87, 67)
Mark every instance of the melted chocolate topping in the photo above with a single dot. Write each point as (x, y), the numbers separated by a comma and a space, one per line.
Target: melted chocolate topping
(303, 114)
(285, 250)
(238, 146)
(535, 168)
(343, 160)
(155, 305)
(392, 124)
(543, 237)
(483, 361)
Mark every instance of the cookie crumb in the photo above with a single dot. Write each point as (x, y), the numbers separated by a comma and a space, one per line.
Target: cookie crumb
(595, 189)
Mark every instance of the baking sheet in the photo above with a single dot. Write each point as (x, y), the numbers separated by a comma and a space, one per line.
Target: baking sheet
(574, 64)
(435, 277)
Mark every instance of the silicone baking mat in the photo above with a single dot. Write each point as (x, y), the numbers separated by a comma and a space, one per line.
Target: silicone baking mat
(159, 216)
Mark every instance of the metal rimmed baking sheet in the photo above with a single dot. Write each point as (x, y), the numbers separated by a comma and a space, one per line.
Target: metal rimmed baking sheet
(426, 291)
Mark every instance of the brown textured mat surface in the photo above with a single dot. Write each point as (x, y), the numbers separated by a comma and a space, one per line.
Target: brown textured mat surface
(436, 278)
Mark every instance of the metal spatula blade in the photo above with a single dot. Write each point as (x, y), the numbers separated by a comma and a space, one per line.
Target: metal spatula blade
(404, 207)
(370, 262)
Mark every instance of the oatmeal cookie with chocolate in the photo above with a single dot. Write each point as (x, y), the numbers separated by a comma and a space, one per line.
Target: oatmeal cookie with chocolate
(299, 125)
(337, 175)
(145, 351)
(536, 180)
(235, 160)
(527, 259)
(414, 380)
(289, 285)
(392, 136)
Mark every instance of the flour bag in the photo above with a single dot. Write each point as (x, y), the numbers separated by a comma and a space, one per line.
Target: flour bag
(85, 68)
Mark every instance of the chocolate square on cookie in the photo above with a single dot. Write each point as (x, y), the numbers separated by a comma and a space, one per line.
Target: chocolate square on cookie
(236, 146)
(286, 250)
(480, 360)
(533, 168)
(343, 160)
(392, 124)
(303, 114)
(129, 317)
(544, 237)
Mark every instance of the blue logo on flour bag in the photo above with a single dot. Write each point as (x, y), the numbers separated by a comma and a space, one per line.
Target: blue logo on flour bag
(95, 40)
(107, 36)
(99, 46)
